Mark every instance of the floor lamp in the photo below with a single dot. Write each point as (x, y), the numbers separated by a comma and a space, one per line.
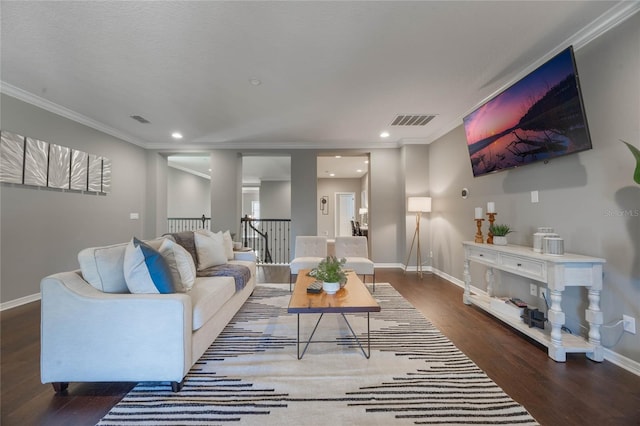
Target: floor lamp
(418, 205)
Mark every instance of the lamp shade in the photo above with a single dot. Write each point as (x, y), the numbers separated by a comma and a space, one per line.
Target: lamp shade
(419, 204)
(363, 210)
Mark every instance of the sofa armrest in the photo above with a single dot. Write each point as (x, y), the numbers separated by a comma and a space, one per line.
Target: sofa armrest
(248, 256)
(89, 336)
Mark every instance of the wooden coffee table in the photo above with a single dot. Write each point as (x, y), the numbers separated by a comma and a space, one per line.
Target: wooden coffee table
(354, 297)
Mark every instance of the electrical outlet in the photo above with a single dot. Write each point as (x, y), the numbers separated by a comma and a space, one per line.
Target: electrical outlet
(533, 289)
(543, 292)
(629, 324)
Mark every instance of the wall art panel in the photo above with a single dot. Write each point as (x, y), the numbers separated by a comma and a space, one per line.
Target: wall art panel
(35, 162)
(59, 166)
(95, 173)
(11, 157)
(79, 170)
(106, 175)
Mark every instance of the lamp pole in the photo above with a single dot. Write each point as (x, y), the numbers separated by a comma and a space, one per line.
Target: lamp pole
(418, 205)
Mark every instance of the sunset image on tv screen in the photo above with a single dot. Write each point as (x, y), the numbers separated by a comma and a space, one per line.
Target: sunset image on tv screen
(538, 118)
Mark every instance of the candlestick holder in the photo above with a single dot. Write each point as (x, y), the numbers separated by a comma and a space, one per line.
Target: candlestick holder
(492, 218)
(479, 238)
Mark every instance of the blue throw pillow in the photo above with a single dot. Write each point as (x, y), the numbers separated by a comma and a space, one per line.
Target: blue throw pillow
(145, 270)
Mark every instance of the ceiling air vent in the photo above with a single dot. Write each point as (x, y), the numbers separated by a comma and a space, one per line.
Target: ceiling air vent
(140, 119)
(412, 120)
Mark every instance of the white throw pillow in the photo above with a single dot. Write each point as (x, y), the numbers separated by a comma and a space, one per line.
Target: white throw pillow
(181, 264)
(145, 270)
(228, 244)
(210, 248)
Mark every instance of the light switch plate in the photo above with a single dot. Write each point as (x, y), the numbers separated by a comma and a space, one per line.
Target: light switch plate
(534, 196)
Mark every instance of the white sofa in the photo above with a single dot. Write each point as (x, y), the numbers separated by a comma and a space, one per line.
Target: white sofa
(94, 330)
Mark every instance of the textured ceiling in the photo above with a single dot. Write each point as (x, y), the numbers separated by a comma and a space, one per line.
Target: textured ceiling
(333, 74)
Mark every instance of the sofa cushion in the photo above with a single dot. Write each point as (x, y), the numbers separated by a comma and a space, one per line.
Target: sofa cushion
(240, 273)
(228, 244)
(186, 240)
(146, 270)
(102, 267)
(210, 248)
(208, 295)
(180, 263)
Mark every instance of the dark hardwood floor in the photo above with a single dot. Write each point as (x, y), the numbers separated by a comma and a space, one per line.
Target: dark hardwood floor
(578, 392)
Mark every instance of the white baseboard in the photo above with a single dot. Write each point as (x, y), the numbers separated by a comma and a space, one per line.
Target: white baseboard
(415, 268)
(448, 277)
(622, 361)
(388, 265)
(611, 356)
(19, 302)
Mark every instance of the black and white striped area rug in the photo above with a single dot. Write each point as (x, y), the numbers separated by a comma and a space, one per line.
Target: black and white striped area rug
(251, 374)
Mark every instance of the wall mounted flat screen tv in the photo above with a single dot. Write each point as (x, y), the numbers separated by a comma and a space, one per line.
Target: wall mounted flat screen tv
(536, 119)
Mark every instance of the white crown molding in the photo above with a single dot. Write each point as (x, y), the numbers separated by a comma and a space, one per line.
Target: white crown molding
(199, 146)
(47, 105)
(605, 22)
(186, 170)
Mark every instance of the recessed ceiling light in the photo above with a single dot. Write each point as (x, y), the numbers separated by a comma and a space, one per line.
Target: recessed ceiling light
(384, 134)
(176, 135)
(255, 82)
(366, 161)
(338, 156)
(359, 170)
(332, 174)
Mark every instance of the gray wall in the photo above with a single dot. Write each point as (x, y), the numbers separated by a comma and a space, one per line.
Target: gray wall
(303, 194)
(188, 195)
(387, 230)
(43, 230)
(275, 200)
(247, 198)
(156, 195)
(226, 190)
(329, 187)
(589, 198)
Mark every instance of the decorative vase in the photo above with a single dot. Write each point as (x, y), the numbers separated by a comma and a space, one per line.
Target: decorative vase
(330, 288)
(499, 240)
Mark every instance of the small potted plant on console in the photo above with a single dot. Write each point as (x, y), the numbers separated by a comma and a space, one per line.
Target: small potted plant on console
(330, 272)
(500, 232)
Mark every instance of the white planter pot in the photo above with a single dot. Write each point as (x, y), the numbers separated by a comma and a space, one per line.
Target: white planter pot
(330, 288)
(500, 241)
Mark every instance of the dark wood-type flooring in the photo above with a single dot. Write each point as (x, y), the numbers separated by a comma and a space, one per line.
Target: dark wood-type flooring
(578, 392)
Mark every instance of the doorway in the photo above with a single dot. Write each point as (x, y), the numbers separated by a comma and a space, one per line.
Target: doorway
(344, 213)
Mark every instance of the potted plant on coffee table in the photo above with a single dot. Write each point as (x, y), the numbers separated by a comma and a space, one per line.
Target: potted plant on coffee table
(500, 232)
(330, 272)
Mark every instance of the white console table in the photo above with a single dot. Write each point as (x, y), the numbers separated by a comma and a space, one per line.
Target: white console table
(557, 272)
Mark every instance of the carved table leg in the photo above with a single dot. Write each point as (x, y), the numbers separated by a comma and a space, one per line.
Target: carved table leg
(556, 319)
(467, 283)
(594, 318)
(490, 278)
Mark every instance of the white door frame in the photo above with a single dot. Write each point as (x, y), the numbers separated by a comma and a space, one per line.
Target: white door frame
(338, 213)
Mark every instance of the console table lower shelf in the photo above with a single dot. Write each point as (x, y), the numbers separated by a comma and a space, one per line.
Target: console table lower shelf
(571, 343)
